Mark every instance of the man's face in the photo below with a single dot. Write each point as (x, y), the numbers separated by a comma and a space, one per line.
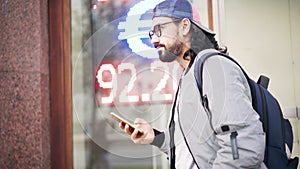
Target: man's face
(166, 39)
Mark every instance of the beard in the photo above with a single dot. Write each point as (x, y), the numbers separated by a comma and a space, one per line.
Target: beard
(170, 54)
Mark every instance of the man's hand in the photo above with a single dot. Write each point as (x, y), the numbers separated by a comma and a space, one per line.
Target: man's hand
(146, 137)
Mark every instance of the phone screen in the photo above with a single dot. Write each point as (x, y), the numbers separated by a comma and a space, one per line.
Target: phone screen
(120, 119)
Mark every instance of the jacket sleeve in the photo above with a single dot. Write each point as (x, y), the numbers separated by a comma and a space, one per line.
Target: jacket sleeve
(162, 140)
(229, 99)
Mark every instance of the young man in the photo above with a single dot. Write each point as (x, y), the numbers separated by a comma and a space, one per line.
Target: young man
(197, 137)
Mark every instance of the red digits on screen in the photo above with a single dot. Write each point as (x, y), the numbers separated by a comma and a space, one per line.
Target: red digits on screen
(111, 80)
(124, 95)
(157, 95)
(112, 84)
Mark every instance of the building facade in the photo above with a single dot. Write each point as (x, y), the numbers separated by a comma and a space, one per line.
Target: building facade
(65, 65)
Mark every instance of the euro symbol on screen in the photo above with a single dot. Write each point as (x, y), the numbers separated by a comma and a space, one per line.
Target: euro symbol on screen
(136, 28)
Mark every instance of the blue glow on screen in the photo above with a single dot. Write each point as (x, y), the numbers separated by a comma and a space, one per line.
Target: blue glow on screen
(135, 29)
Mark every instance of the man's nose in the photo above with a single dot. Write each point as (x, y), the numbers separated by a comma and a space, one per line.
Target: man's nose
(155, 39)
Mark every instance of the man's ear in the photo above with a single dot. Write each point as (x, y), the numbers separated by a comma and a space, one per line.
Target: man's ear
(185, 26)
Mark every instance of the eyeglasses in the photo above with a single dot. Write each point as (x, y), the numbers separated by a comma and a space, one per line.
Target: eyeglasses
(157, 28)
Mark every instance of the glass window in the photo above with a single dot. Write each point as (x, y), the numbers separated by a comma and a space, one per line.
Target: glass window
(116, 69)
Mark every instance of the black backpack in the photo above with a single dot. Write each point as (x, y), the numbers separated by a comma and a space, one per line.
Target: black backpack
(278, 130)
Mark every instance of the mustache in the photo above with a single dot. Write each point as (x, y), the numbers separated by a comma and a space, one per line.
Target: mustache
(156, 45)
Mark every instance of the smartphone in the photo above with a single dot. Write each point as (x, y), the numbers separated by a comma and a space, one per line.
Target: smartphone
(120, 119)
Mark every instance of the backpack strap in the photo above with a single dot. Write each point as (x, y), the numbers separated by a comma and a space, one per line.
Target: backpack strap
(263, 81)
(198, 71)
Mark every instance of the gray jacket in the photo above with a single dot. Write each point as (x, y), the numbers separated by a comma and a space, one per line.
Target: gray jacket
(230, 105)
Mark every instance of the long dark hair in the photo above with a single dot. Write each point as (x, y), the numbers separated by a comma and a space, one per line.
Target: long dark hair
(201, 40)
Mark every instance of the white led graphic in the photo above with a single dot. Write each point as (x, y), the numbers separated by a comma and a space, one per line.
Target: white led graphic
(132, 26)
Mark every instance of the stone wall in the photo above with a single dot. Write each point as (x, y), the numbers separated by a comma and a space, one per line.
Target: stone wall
(24, 85)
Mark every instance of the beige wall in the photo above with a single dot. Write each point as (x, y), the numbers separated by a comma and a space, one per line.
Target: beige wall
(264, 36)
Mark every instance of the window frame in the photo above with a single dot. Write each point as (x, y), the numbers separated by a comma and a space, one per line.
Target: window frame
(61, 82)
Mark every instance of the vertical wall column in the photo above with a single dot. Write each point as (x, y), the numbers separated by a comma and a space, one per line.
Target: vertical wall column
(24, 85)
